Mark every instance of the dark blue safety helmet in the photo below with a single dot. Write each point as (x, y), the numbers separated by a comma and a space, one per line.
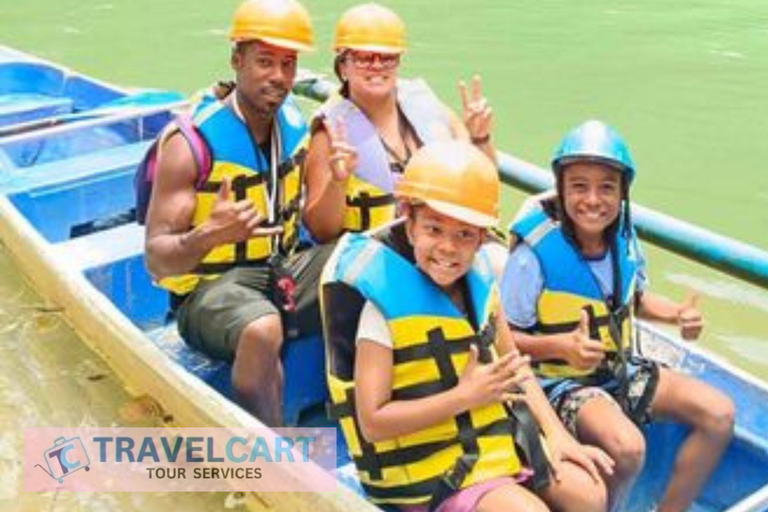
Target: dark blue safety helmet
(595, 141)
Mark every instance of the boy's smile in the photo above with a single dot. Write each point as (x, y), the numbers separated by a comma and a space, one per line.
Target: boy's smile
(443, 247)
(592, 200)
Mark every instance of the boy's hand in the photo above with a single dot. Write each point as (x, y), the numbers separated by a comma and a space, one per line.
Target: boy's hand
(584, 353)
(689, 317)
(495, 382)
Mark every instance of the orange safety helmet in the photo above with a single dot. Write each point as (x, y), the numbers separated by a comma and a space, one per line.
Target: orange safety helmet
(454, 178)
(370, 27)
(283, 23)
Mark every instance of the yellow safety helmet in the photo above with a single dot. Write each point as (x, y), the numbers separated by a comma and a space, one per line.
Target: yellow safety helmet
(283, 23)
(454, 178)
(370, 27)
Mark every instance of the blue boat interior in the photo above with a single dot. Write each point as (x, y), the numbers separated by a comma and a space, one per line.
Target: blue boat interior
(76, 188)
(54, 92)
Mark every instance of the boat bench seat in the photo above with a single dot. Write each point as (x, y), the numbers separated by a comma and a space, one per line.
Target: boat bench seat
(19, 108)
(77, 142)
(113, 261)
(60, 196)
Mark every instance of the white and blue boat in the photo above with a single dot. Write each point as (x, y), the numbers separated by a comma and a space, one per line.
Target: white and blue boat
(69, 146)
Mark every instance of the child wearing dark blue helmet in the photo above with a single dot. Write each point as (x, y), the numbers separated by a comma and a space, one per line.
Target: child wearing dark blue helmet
(571, 287)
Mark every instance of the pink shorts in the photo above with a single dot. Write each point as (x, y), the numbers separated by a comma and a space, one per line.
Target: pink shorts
(466, 499)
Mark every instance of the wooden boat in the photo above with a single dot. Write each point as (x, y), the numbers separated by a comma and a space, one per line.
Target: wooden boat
(63, 187)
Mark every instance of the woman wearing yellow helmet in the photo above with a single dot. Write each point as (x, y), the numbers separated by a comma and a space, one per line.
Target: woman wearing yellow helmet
(423, 387)
(363, 138)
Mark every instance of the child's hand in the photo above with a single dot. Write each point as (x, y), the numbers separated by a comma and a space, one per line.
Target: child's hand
(689, 317)
(563, 447)
(495, 382)
(584, 353)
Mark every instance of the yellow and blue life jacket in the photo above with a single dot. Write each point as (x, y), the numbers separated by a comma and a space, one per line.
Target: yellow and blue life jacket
(569, 286)
(234, 154)
(369, 199)
(431, 341)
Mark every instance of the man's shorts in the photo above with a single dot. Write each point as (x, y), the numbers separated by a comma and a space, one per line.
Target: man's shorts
(567, 396)
(213, 316)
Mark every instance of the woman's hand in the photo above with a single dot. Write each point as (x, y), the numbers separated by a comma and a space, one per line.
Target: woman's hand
(343, 156)
(477, 114)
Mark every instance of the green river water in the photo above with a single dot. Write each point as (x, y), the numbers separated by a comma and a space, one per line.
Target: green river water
(685, 82)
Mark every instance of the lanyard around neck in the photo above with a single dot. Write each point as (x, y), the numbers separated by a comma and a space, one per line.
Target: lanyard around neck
(272, 190)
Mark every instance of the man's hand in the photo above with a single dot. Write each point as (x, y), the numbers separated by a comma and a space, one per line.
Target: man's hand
(235, 221)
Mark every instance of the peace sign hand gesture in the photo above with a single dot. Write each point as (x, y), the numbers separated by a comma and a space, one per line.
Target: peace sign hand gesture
(476, 112)
(343, 156)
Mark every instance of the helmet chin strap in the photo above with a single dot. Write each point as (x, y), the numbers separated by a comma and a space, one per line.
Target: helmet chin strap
(626, 212)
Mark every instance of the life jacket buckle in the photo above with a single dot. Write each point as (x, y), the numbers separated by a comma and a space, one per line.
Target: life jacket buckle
(451, 480)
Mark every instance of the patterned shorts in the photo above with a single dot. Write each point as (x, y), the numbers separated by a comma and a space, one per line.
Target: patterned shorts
(641, 388)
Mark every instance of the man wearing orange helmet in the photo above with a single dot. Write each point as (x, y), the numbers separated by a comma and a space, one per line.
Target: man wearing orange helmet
(363, 138)
(423, 371)
(224, 246)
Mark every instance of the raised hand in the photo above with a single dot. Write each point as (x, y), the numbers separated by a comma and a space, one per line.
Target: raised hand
(236, 221)
(477, 114)
(343, 156)
(583, 352)
(689, 317)
(495, 382)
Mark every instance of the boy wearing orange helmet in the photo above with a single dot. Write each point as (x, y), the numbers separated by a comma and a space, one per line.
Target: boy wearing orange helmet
(422, 368)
